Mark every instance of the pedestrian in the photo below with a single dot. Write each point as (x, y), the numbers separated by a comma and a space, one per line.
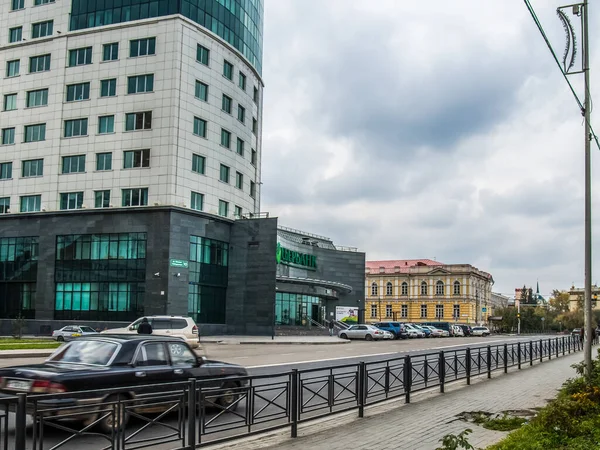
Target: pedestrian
(331, 328)
(145, 327)
(581, 334)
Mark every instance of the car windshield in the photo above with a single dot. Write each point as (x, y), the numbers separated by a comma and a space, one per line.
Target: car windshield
(85, 352)
(87, 329)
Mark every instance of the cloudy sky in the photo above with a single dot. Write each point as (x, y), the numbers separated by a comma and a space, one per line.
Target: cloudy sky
(428, 130)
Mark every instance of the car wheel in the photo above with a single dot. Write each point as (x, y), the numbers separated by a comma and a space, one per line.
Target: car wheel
(343, 336)
(368, 337)
(60, 339)
(229, 397)
(121, 416)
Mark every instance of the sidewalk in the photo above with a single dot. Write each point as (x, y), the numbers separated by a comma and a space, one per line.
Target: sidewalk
(421, 424)
(267, 340)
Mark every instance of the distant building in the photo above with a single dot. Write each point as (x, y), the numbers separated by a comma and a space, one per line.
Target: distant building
(576, 296)
(500, 301)
(422, 290)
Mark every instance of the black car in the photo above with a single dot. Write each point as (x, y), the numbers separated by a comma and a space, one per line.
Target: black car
(114, 361)
(467, 331)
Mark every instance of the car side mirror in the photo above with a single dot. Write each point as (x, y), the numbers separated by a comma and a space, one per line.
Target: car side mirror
(201, 360)
(131, 328)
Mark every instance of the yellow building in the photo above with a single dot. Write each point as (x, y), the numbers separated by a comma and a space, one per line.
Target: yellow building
(423, 290)
(576, 296)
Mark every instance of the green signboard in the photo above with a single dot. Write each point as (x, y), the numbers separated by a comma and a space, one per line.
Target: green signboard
(179, 263)
(296, 259)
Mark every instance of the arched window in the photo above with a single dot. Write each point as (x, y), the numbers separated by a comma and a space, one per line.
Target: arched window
(439, 288)
(424, 288)
(374, 289)
(404, 288)
(388, 289)
(457, 288)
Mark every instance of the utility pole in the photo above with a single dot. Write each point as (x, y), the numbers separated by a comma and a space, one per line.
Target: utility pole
(518, 316)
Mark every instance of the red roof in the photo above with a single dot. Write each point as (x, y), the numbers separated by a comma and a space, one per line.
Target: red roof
(403, 264)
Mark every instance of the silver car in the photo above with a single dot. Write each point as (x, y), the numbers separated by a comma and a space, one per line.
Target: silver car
(71, 332)
(366, 332)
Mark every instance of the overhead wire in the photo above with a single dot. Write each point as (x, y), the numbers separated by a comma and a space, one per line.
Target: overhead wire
(543, 33)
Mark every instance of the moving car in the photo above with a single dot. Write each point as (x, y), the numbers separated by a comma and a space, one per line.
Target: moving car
(366, 332)
(71, 332)
(176, 326)
(481, 331)
(396, 328)
(109, 361)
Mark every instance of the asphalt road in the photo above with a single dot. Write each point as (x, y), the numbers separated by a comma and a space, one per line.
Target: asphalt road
(273, 364)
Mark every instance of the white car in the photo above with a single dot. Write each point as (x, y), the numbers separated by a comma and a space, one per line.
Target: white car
(480, 331)
(413, 332)
(436, 332)
(366, 332)
(71, 332)
(176, 326)
(457, 331)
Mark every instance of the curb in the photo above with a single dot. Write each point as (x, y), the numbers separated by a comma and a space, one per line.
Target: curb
(224, 342)
(40, 354)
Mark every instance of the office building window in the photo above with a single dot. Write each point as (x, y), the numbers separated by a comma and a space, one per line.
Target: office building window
(223, 208)
(73, 164)
(198, 163)
(255, 95)
(35, 133)
(15, 34)
(39, 63)
(138, 121)
(199, 127)
(423, 288)
(71, 200)
(423, 311)
(135, 197)
(197, 201)
(110, 52)
(242, 81)
(140, 84)
(241, 113)
(439, 287)
(101, 199)
(76, 127)
(240, 147)
(373, 311)
(404, 311)
(37, 98)
(32, 168)
(13, 68)
(253, 157)
(80, 56)
(142, 47)
(202, 55)
(388, 311)
(78, 92)
(228, 70)
(374, 289)
(237, 212)
(252, 189)
(439, 311)
(42, 29)
(31, 203)
(106, 124)
(457, 288)
(8, 136)
(254, 125)
(404, 288)
(108, 88)
(42, 2)
(239, 180)
(202, 91)
(10, 102)
(456, 312)
(103, 161)
(4, 205)
(136, 158)
(226, 104)
(5, 171)
(224, 173)
(17, 4)
(225, 138)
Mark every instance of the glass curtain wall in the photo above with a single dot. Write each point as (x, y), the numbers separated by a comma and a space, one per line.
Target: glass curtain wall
(18, 276)
(291, 309)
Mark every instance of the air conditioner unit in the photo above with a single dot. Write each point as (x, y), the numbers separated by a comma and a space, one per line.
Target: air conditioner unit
(110, 205)
(83, 207)
(8, 211)
(156, 203)
(44, 209)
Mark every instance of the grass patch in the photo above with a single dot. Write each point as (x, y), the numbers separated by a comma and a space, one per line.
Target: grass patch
(506, 423)
(27, 344)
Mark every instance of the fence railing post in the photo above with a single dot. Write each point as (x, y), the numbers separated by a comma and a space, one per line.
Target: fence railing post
(556, 345)
(468, 365)
(294, 402)
(20, 422)
(407, 377)
(505, 358)
(191, 413)
(362, 388)
(519, 354)
(549, 349)
(442, 370)
(541, 350)
(563, 345)
(489, 361)
(531, 353)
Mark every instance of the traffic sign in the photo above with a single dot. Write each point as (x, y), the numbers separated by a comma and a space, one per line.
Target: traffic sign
(483, 309)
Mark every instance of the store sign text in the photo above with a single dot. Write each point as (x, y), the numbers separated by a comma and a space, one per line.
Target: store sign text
(294, 258)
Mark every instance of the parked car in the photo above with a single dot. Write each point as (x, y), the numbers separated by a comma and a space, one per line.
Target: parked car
(440, 326)
(414, 332)
(481, 331)
(435, 332)
(71, 332)
(576, 332)
(457, 331)
(109, 361)
(466, 329)
(396, 328)
(366, 332)
(176, 326)
(427, 331)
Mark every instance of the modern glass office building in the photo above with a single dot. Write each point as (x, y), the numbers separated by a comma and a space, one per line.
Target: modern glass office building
(130, 165)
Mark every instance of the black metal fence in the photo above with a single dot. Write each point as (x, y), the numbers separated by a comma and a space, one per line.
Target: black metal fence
(191, 414)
